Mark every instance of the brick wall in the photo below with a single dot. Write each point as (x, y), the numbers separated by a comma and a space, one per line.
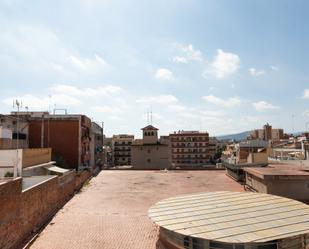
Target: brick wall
(80, 178)
(23, 212)
(60, 135)
(10, 193)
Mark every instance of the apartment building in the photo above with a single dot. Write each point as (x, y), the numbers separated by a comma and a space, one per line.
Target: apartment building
(191, 148)
(67, 134)
(121, 147)
(267, 133)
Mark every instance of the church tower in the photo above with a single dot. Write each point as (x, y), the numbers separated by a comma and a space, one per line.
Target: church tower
(150, 134)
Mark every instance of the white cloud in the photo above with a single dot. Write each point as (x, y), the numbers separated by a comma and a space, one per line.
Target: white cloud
(160, 99)
(106, 109)
(106, 90)
(306, 113)
(224, 64)
(274, 68)
(262, 106)
(43, 102)
(225, 103)
(218, 113)
(254, 72)
(177, 108)
(179, 59)
(188, 54)
(88, 64)
(306, 94)
(164, 74)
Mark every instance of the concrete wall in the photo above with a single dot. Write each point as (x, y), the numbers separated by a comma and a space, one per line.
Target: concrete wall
(23, 212)
(31, 157)
(255, 183)
(23, 158)
(297, 189)
(150, 157)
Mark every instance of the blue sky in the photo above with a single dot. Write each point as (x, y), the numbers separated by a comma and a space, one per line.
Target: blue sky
(220, 66)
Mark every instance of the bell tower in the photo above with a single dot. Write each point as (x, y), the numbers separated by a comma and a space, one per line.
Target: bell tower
(150, 134)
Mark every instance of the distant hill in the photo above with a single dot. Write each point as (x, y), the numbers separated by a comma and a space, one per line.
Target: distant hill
(243, 136)
(238, 136)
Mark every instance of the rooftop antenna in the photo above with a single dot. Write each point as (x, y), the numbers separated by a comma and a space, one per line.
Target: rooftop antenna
(147, 117)
(49, 100)
(293, 116)
(150, 115)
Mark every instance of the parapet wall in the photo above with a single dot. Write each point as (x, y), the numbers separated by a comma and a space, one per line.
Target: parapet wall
(23, 212)
(35, 156)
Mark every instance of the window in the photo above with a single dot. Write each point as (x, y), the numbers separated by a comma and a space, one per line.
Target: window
(217, 245)
(21, 136)
(186, 243)
(148, 150)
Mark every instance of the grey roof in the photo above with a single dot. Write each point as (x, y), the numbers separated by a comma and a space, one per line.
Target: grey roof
(254, 143)
(149, 127)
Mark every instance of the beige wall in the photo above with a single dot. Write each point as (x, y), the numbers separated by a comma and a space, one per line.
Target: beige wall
(150, 156)
(150, 136)
(8, 160)
(261, 157)
(32, 157)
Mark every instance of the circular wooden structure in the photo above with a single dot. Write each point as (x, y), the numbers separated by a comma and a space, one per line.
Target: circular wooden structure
(232, 220)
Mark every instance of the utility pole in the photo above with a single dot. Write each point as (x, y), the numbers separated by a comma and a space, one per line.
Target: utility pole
(42, 131)
(18, 105)
(102, 133)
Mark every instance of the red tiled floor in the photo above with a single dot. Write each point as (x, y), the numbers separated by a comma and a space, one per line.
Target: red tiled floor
(111, 212)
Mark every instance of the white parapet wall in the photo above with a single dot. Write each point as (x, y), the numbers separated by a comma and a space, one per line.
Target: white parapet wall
(10, 159)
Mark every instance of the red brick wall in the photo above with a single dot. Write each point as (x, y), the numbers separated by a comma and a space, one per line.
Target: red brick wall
(9, 212)
(80, 178)
(22, 213)
(63, 139)
(37, 204)
(66, 187)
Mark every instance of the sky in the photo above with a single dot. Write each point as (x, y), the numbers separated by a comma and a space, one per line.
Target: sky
(217, 66)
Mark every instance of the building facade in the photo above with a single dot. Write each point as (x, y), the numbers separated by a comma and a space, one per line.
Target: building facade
(68, 135)
(13, 132)
(267, 133)
(121, 147)
(96, 145)
(191, 149)
(150, 152)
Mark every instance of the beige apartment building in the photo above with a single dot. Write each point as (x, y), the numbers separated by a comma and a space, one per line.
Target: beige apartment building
(121, 149)
(191, 149)
(267, 133)
(150, 152)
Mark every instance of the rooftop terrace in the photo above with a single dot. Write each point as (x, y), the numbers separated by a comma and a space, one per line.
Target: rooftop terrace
(111, 212)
